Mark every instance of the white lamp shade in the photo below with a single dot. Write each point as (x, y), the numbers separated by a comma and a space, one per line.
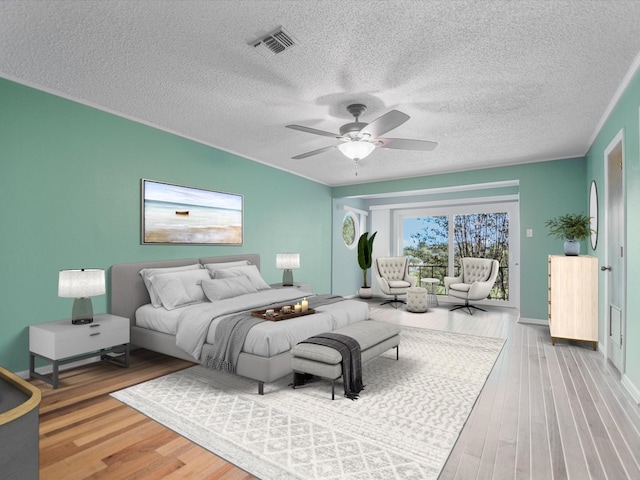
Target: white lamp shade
(81, 283)
(356, 149)
(288, 260)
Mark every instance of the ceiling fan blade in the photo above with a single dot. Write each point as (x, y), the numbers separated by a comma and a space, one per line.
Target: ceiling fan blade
(384, 123)
(315, 131)
(313, 152)
(406, 144)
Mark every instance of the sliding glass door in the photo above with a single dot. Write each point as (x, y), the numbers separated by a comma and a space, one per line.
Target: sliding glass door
(435, 239)
(426, 244)
(484, 235)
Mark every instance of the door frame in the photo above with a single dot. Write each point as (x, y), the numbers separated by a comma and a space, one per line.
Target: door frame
(617, 139)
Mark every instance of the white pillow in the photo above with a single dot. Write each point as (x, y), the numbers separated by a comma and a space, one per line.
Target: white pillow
(147, 273)
(170, 291)
(219, 289)
(250, 271)
(178, 289)
(212, 267)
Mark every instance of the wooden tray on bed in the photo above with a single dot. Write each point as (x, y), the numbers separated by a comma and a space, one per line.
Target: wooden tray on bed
(279, 315)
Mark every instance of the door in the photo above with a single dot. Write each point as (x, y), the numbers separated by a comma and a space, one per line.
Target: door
(615, 283)
(434, 239)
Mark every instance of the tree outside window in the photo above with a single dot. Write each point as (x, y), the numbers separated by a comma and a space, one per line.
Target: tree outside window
(480, 235)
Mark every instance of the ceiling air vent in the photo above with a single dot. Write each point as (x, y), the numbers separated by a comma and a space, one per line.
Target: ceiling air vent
(275, 42)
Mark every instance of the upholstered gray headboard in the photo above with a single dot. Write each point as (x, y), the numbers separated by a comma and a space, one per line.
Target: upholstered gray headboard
(128, 291)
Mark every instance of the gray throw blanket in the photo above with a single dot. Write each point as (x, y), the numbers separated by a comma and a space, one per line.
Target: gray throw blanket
(232, 332)
(349, 349)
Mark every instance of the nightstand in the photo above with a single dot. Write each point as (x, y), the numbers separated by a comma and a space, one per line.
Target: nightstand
(62, 342)
(306, 287)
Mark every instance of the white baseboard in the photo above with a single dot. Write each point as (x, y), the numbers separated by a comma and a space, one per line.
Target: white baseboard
(631, 388)
(534, 321)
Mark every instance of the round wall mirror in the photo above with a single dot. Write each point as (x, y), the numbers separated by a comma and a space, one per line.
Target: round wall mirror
(593, 213)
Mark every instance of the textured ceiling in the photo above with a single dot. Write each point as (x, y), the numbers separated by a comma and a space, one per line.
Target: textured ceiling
(493, 82)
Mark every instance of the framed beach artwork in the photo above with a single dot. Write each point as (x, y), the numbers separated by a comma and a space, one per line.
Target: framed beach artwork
(175, 214)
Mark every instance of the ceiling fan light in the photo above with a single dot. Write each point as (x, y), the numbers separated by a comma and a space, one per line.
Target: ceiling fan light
(356, 149)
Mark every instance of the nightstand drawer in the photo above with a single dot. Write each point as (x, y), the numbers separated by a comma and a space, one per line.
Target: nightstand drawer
(305, 287)
(90, 341)
(61, 339)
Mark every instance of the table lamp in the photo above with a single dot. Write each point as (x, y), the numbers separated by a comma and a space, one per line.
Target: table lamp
(287, 261)
(81, 285)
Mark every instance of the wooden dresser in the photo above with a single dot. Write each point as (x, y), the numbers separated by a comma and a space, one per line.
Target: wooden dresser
(573, 298)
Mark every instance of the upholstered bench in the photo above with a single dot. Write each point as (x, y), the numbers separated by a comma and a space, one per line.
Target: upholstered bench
(374, 338)
(417, 300)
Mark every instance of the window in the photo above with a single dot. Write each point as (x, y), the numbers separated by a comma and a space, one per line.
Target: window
(426, 244)
(436, 238)
(485, 235)
(350, 229)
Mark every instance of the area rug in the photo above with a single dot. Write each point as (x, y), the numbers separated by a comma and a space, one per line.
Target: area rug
(403, 426)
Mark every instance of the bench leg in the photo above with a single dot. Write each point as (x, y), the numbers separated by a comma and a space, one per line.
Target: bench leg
(333, 389)
(397, 352)
(261, 388)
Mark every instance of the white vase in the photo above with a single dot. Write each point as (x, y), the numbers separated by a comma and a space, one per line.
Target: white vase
(572, 248)
(365, 292)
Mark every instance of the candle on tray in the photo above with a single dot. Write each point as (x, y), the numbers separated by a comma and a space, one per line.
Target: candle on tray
(297, 307)
(305, 305)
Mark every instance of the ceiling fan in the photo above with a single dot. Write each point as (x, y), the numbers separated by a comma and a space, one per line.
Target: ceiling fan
(360, 139)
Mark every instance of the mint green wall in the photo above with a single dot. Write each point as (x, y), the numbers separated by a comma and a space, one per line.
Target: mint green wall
(546, 189)
(623, 117)
(70, 198)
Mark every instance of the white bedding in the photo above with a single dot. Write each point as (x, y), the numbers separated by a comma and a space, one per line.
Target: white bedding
(195, 325)
(158, 319)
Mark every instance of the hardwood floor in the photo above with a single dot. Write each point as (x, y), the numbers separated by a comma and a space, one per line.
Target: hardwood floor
(85, 433)
(545, 412)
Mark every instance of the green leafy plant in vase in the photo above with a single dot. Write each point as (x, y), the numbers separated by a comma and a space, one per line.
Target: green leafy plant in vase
(365, 259)
(572, 228)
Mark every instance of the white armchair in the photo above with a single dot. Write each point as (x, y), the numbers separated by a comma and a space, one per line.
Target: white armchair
(475, 281)
(392, 275)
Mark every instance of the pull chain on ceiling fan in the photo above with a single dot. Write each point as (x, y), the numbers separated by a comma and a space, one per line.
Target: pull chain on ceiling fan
(360, 139)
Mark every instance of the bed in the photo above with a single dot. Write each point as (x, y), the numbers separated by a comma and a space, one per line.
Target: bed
(265, 355)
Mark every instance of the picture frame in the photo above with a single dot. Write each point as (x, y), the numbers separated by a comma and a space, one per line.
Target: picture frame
(181, 215)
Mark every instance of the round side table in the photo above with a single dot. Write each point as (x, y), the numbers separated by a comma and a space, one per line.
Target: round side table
(430, 283)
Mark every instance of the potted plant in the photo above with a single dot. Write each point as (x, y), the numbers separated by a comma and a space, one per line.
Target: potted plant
(365, 250)
(570, 227)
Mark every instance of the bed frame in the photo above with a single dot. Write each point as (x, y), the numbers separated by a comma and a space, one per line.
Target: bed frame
(128, 293)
